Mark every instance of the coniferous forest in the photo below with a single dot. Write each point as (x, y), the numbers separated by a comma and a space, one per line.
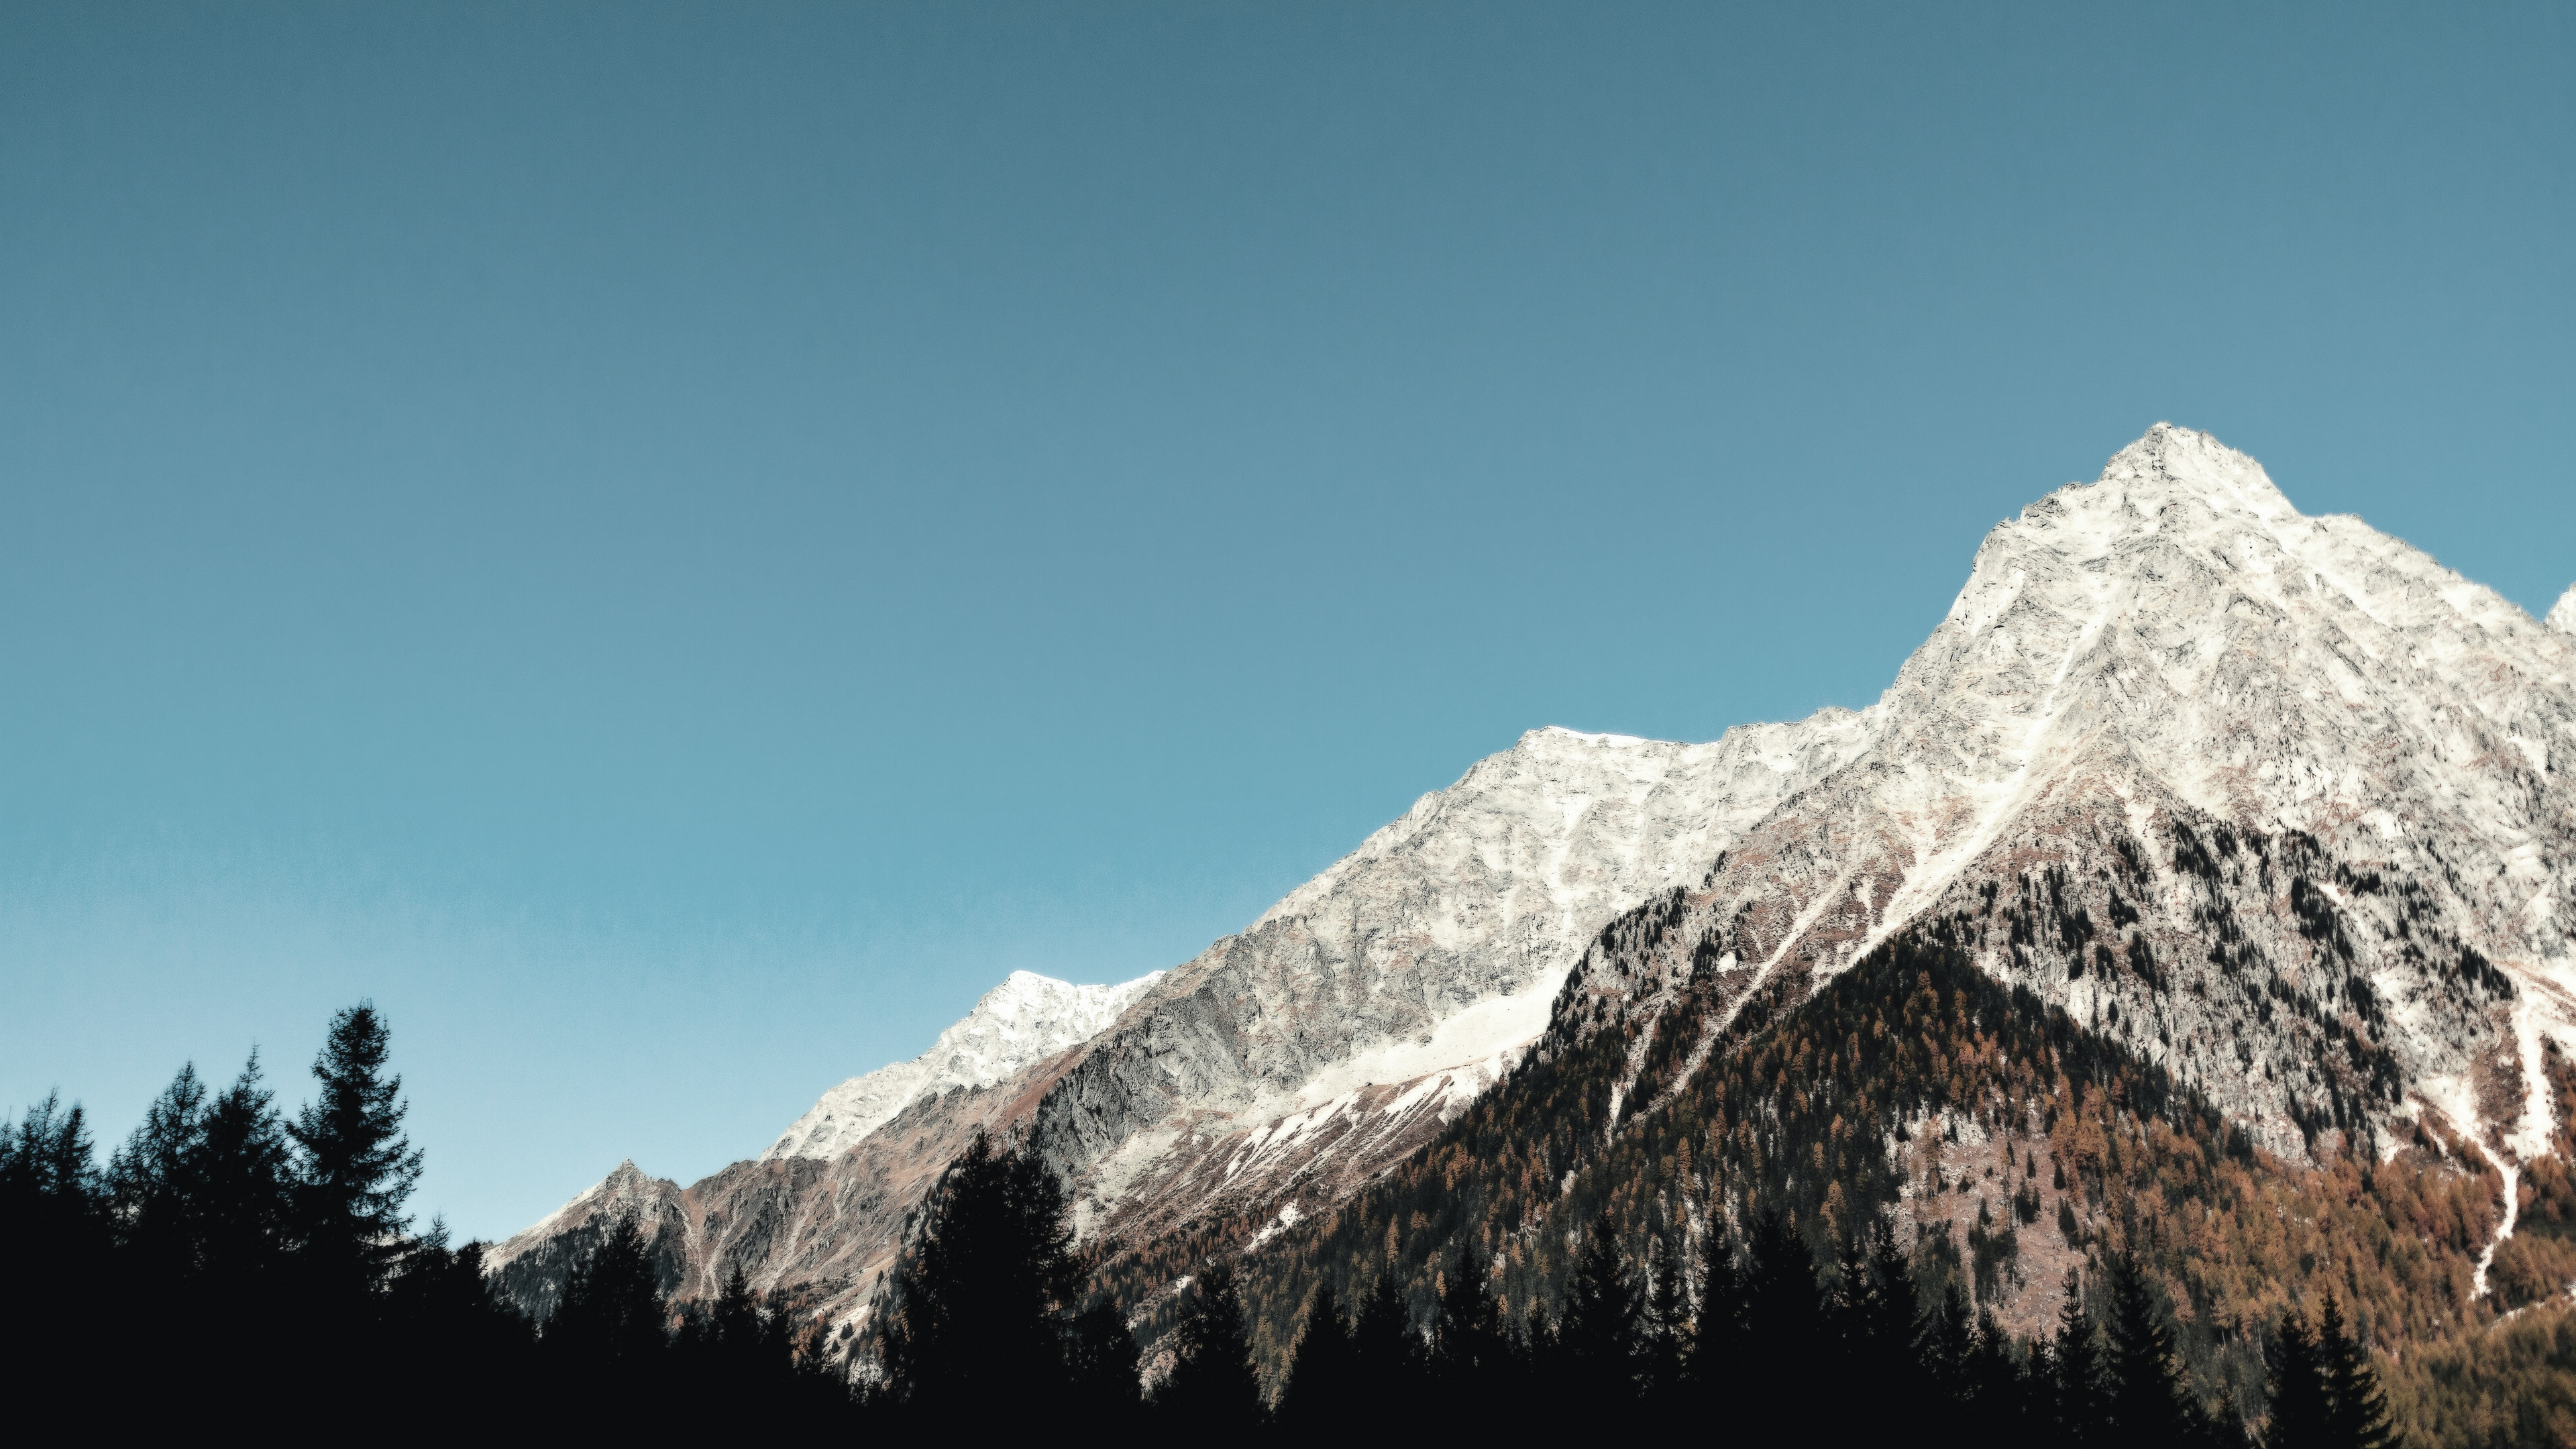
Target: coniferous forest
(234, 1261)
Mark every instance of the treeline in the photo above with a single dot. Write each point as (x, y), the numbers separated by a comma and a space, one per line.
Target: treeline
(990, 1323)
(235, 1267)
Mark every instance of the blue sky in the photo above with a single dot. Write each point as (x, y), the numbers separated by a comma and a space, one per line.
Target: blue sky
(674, 546)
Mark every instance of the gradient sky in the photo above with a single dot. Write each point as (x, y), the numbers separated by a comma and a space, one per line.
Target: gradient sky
(674, 546)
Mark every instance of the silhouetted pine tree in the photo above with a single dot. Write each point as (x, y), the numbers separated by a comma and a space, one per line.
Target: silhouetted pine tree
(1212, 1388)
(986, 1295)
(357, 1169)
(1389, 1358)
(2359, 1414)
(2079, 1385)
(1323, 1378)
(1473, 1357)
(611, 1323)
(1102, 1362)
(1785, 1348)
(2301, 1414)
(1667, 1323)
(1600, 1338)
(2146, 1399)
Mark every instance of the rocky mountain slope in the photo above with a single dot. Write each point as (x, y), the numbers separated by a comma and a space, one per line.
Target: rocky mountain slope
(1330, 1038)
(1025, 1019)
(2277, 802)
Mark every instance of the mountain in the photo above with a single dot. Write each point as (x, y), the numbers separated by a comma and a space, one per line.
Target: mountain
(2275, 805)
(1025, 1019)
(1332, 1036)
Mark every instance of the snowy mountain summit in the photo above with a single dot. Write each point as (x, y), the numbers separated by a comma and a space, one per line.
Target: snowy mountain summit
(1025, 1019)
(2279, 801)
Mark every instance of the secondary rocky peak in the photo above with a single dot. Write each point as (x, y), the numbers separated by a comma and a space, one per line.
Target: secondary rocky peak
(1025, 1019)
(2562, 617)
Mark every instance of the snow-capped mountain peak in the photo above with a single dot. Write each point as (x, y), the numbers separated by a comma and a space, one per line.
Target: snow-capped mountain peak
(2562, 616)
(1025, 1019)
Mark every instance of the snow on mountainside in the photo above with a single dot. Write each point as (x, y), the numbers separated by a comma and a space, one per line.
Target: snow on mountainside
(1025, 1019)
(2278, 800)
(2562, 615)
(1331, 1036)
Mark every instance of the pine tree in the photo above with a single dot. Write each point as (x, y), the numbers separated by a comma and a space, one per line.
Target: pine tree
(243, 1182)
(986, 1293)
(1721, 1338)
(2147, 1406)
(1600, 1337)
(1323, 1378)
(1213, 1387)
(1947, 1347)
(2300, 1410)
(151, 1179)
(1101, 1364)
(2080, 1389)
(358, 1169)
(1785, 1348)
(2359, 1414)
(1471, 1349)
(1667, 1323)
(1387, 1358)
(612, 1320)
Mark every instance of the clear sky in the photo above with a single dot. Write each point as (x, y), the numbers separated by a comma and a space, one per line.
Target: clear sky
(674, 546)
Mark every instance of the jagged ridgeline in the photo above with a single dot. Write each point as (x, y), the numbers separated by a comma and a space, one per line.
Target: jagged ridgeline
(2013, 1140)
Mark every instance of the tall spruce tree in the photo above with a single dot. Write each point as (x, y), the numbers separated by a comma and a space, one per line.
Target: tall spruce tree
(1600, 1338)
(358, 1170)
(1389, 1357)
(2147, 1404)
(1323, 1377)
(987, 1294)
(612, 1322)
(2358, 1415)
(1212, 1388)
(1472, 1357)
(2080, 1378)
(2300, 1412)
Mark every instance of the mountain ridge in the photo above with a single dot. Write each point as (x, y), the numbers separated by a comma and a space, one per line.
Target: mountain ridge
(2236, 784)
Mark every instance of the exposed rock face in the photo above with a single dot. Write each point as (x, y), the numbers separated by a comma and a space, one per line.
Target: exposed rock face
(2279, 799)
(1330, 1038)
(1027, 1018)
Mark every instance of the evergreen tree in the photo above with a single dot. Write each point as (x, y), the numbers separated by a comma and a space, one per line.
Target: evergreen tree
(2080, 1387)
(1388, 1358)
(2147, 1405)
(47, 1174)
(1667, 1322)
(1471, 1349)
(611, 1321)
(2359, 1414)
(986, 1293)
(1323, 1378)
(1948, 1345)
(2000, 1381)
(151, 1179)
(1213, 1387)
(2300, 1410)
(358, 1169)
(1600, 1338)
(1721, 1336)
(1786, 1351)
(1101, 1363)
(243, 1182)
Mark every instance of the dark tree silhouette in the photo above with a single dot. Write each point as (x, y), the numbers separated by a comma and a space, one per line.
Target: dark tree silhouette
(358, 1168)
(1212, 1387)
(2301, 1416)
